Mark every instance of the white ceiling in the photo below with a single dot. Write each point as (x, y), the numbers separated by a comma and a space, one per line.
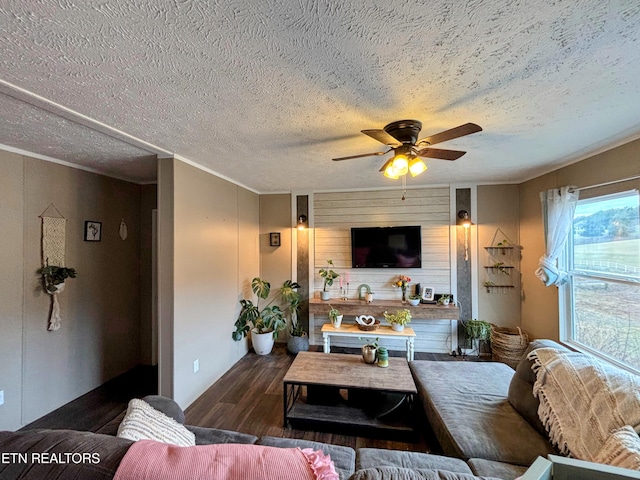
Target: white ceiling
(266, 92)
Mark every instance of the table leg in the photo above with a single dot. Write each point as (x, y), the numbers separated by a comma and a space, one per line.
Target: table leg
(410, 349)
(327, 347)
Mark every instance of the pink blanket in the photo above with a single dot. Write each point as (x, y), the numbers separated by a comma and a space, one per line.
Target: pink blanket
(149, 460)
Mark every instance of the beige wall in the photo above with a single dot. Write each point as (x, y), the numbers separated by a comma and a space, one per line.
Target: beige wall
(214, 225)
(11, 288)
(540, 303)
(100, 309)
(498, 208)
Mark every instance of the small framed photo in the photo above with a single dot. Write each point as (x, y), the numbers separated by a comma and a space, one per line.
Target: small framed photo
(274, 239)
(427, 294)
(92, 231)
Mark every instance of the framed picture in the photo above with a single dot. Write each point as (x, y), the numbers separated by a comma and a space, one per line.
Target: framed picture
(274, 239)
(427, 294)
(92, 231)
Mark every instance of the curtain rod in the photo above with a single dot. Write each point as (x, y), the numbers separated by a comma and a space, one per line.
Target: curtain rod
(635, 177)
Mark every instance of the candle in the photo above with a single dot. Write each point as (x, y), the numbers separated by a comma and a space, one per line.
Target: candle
(340, 281)
(347, 276)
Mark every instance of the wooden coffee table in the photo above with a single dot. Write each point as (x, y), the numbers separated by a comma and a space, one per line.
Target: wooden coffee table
(358, 394)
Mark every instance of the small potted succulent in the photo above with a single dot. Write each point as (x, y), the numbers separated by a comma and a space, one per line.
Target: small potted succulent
(399, 319)
(329, 276)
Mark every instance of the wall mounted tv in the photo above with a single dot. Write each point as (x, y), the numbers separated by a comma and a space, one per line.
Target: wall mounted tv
(386, 247)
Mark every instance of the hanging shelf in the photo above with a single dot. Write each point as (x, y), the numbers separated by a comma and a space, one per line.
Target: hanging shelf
(498, 250)
(498, 288)
(506, 269)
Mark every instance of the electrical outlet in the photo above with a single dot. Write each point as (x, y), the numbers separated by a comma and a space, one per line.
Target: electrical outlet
(1, 397)
(196, 365)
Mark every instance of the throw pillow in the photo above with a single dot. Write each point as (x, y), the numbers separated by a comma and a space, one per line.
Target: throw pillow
(143, 422)
(621, 449)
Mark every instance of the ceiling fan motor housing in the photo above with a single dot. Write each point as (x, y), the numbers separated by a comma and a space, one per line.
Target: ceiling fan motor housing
(405, 131)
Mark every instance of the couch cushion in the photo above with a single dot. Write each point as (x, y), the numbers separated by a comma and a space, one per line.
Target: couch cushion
(489, 468)
(209, 436)
(398, 473)
(143, 422)
(467, 407)
(377, 457)
(102, 454)
(167, 406)
(344, 458)
(521, 388)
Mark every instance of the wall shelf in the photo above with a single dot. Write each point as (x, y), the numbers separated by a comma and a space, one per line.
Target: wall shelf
(498, 288)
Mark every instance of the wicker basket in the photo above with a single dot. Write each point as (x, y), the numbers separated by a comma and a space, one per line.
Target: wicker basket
(369, 328)
(508, 344)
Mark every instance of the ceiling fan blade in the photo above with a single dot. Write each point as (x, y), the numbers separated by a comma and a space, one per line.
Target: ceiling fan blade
(360, 156)
(440, 153)
(461, 131)
(383, 137)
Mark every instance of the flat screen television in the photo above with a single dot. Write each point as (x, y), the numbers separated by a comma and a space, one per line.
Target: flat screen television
(386, 247)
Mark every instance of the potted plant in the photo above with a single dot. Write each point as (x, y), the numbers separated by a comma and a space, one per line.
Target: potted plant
(399, 319)
(329, 276)
(265, 323)
(369, 350)
(335, 316)
(477, 331)
(54, 277)
(444, 299)
(298, 339)
(414, 299)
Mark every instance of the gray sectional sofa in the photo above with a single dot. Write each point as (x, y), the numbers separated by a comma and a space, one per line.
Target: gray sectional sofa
(482, 413)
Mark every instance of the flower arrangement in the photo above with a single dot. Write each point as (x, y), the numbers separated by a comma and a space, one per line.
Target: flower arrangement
(402, 282)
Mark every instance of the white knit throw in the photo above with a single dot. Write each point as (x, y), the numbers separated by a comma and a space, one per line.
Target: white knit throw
(583, 400)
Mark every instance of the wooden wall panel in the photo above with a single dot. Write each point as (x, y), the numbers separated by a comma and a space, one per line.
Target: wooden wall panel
(335, 214)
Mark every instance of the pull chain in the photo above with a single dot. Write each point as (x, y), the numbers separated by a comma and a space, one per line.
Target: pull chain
(404, 186)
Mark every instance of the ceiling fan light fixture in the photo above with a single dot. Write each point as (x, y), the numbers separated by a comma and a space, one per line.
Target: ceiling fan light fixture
(400, 165)
(416, 166)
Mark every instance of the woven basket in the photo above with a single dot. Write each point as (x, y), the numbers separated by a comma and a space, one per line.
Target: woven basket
(508, 344)
(369, 328)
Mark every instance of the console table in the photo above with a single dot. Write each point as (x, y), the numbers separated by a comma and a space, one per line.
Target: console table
(354, 331)
(425, 318)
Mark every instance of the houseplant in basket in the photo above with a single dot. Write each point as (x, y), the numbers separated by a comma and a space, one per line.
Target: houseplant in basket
(399, 319)
(329, 276)
(53, 278)
(266, 322)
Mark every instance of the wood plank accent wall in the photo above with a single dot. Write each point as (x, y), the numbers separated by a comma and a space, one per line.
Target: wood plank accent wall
(335, 214)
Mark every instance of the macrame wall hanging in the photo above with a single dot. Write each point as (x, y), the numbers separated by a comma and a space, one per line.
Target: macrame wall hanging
(53, 248)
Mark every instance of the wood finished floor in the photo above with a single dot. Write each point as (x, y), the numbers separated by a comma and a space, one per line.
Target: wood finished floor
(248, 399)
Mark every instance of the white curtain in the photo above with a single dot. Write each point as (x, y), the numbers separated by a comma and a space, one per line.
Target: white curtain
(558, 206)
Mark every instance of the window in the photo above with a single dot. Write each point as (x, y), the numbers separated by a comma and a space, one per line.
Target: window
(602, 297)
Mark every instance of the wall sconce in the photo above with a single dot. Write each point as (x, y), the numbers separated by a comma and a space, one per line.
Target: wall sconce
(302, 222)
(464, 220)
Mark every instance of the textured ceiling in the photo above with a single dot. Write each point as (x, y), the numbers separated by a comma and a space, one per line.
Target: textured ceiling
(267, 92)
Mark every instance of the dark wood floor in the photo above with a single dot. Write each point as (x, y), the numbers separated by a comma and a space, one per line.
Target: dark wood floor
(248, 398)
(98, 407)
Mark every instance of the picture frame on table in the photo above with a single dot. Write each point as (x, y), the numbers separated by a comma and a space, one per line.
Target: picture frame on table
(428, 294)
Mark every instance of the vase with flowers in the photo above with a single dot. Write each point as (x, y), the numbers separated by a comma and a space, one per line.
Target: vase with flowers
(403, 283)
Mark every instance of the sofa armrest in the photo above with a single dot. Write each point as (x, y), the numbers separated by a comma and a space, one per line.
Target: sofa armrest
(209, 436)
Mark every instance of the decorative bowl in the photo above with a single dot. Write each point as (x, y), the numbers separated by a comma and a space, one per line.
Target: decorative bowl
(414, 301)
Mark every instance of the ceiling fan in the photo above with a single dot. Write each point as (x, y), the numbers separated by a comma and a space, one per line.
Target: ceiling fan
(402, 137)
